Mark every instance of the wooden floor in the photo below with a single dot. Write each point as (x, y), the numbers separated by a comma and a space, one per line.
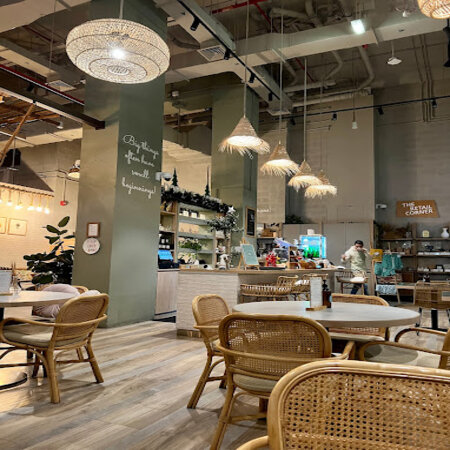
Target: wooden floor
(149, 376)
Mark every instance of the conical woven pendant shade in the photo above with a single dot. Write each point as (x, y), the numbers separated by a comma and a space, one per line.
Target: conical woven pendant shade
(279, 163)
(244, 140)
(304, 177)
(322, 189)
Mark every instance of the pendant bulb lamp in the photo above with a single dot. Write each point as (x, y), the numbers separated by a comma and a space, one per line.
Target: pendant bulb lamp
(243, 139)
(279, 162)
(436, 9)
(304, 176)
(118, 50)
(320, 190)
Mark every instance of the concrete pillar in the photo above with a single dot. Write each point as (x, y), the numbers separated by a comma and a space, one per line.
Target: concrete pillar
(117, 182)
(234, 177)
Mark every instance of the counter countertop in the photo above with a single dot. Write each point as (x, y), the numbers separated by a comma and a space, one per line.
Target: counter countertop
(258, 272)
(168, 270)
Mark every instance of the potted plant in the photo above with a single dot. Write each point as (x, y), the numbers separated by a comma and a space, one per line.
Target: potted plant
(55, 266)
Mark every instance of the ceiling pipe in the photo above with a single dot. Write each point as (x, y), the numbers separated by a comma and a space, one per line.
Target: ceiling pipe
(236, 6)
(315, 85)
(289, 13)
(332, 98)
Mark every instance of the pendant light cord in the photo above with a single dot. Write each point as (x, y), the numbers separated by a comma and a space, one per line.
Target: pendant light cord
(246, 56)
(281, 75)
(121, 10)
(304, 110)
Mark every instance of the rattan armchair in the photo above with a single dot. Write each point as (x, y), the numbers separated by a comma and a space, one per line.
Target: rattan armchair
(208, 311)
(354, 405)
(344, 278)
(278, 291)
(72, 330)
(429, 296)
(396, 352)
(359, 334)
(259, 350)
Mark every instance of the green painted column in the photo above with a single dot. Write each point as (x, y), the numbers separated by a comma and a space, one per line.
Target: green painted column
(234, 177)
(117, 182)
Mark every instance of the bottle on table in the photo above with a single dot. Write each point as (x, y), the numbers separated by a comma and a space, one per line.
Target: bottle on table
(326, 294)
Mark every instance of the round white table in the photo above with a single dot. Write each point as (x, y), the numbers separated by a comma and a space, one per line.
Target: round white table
(27, 298)
(340, 315)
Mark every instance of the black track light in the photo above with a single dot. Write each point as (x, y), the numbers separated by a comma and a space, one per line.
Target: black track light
(380, 110)
(195, 24)
(227, 54)
(252, 78)
(270, 96)
(434, 103)
(30, 87)
(293, 123)
(334, 117)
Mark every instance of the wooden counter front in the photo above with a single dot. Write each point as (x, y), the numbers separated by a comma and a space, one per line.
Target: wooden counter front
(226, 283)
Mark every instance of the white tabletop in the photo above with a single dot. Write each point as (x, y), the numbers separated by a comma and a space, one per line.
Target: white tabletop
(33, 298)
(345, 315)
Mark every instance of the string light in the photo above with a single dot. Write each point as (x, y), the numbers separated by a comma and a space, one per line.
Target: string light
(31, 207)
(19, 202)
(39, 207)
(46, 210)
(1, 195)
(9, 203)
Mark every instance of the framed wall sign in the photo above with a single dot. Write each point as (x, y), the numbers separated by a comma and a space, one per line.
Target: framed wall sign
(250, 222)
(93, 229)
(417, 208)
(2, 225)
(17, 227)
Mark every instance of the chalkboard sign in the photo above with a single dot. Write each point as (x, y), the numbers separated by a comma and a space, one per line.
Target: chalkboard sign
(248, 255)
(250, 222)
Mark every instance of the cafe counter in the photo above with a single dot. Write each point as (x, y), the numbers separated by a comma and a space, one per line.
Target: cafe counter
(226, 283)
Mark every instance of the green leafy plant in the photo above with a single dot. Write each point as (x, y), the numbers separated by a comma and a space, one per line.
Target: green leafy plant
(55, 266)
(191, 244)
(227, 223)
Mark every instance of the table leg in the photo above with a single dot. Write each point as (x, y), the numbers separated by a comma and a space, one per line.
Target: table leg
(434, 319)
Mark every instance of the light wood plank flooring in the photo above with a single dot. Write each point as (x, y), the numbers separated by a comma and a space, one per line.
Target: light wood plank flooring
(149, 374)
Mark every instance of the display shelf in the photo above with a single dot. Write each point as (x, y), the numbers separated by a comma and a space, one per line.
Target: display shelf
(192, 220)
(167, 213)
(447, 255)
(196, 236)
(168, 232)
(432, 239)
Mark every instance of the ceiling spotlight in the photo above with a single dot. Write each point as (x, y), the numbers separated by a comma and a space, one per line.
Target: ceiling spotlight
(393, 60)
(60, 125)
(380, 110)
(227, 54)
(354, 125)
(358, 26)
(293, 123)
(334, 117)
(195, 24)
(270, 96)
(252, 78)
(434, 103)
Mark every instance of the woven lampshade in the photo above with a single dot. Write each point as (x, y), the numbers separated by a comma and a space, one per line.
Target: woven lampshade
(322, 189)
(117, 50)
(304, 177)
(279, 163)
(244, 140)
(436, 9)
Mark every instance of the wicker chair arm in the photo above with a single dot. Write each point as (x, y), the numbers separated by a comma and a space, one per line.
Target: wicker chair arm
(255, 443)
(274, 358)
(417, 329)
(396, 344)
(207, 327)
(49, 324)
(348, 351)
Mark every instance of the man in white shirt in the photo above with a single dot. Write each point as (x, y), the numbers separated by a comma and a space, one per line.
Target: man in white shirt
(358, 257)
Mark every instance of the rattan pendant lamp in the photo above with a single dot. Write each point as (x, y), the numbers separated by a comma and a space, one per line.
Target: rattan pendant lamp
(243, 139)
(304, 176)
(279, 162)
(436, 9)
(118, 50)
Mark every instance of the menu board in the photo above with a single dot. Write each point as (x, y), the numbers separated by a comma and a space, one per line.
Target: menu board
(249, 255)
(417, 208)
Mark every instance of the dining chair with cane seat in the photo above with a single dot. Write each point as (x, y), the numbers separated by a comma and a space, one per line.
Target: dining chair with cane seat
(428, 295)
(359, 334)
(259, 350)
(73, 329)
(401, 353)
(208, 311)
(347, 279)
(278, 291)
(356, 405)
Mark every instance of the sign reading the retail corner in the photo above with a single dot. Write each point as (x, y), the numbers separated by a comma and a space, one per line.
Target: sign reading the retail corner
(417, 208)
(140, 159)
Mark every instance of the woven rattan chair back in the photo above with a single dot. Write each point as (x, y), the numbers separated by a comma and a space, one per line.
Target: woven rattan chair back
(81, 289)
(362, 299)
(429, 295)
(209, 310)
(358, 405)
(255, 341)
(78, 310)
(286, 281)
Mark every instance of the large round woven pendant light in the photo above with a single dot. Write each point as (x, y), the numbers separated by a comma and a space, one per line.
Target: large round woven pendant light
(436, 9)
(118, 50)
(243, 139)
(279, 162)
(304, 176)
